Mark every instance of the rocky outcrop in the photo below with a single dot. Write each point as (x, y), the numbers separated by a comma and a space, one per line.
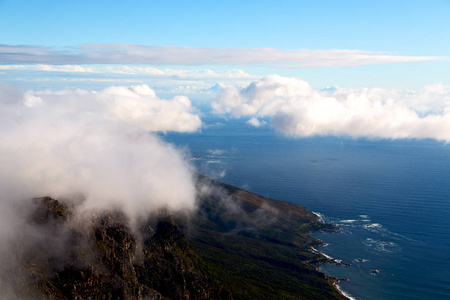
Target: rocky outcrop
(104, 259)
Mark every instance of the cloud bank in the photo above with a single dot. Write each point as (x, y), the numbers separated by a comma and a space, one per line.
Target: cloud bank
(97, 145)
(171, 55)
(296, 109)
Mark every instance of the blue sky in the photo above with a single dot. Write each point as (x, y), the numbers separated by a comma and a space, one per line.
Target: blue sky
(396, 28)
(404, 44)
(356, 68)
(402, 27)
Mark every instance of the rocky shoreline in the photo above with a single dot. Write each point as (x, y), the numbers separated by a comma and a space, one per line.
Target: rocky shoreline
(332, 228)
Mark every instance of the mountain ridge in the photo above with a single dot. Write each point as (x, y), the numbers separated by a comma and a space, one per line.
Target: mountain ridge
(237, 245)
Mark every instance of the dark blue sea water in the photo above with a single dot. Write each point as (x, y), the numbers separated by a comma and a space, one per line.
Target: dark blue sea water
(391, 199)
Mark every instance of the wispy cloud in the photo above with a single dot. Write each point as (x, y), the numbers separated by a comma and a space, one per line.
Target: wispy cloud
(170, 55)
(295, 108)
(131, 70)
(49, 68)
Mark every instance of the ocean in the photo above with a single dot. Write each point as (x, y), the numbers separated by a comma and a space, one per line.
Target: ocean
(390, 199)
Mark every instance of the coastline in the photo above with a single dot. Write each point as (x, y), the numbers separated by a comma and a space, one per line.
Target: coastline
(280, 236)
(343, 293)
(330, 260)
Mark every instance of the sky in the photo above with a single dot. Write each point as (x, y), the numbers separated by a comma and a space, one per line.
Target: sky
(376, 69)
(392, 44)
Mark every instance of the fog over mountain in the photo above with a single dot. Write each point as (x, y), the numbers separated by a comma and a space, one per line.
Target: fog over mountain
(95, 146)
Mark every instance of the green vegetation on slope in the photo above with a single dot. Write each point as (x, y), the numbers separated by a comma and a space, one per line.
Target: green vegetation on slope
(258, 248)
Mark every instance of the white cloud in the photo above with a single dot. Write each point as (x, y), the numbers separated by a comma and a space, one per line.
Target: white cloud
(49, 68)
(71, 142)
(91, 148)
(296, 109)
(261, 97)
(65, 68)
(216, 152)
(180, 73)
(169, 55)
(139, 105)
(255, 122)
(133, 70)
